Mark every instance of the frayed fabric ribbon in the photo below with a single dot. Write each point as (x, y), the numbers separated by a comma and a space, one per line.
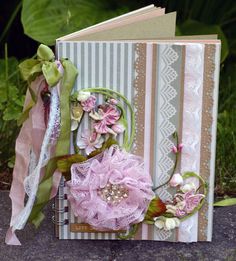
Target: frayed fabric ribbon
(32, 129)
(34, 136)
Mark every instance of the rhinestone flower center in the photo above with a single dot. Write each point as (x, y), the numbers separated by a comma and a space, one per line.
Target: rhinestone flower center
(113, 193)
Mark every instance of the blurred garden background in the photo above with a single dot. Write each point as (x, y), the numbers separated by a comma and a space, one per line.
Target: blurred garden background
(25, 24)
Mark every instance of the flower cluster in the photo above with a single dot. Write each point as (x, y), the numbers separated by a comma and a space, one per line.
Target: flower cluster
(106, 120)
(185, 201)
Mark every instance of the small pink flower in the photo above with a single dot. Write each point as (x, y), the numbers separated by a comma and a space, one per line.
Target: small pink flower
(113, 101)
(176, 180)
(106, 116)
(90, 142)
(180, 147)
(174, 149)
(89, 104)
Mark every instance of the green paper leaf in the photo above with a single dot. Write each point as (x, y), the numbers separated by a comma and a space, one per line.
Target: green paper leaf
(64, 164)
(107, 144)
(155, 209)
(225, 202)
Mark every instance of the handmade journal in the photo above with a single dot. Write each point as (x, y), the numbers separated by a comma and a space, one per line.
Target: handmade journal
(120, 127)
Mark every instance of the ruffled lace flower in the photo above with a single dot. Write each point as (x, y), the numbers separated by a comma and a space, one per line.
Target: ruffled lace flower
(111, 191)
(89, 104)
(106, 116)
(90, 142)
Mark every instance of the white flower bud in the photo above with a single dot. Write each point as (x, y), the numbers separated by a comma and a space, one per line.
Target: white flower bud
(83, 96)
(188, 187)
(176, 180)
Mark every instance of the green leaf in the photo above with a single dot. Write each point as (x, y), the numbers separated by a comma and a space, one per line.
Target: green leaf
(64, 164)
(225, 202)
(105, 146)
(45, 20)
(3, 92)
(192, 27)
(12, 112)
(155, 209)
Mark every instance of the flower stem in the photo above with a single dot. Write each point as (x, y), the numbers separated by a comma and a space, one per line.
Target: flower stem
(76, 149)
(175, 135)
(131, 233)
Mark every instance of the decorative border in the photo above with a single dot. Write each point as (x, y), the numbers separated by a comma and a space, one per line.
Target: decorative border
(191, 127)
(207, 120)
(139, 106)
(168, 56)
(138, 100)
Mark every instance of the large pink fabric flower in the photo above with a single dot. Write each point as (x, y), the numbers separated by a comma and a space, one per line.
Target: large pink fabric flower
(89, 104)
(111, 191)
(106, 116)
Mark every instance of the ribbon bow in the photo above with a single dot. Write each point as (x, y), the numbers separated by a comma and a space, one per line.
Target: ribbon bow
(45, 63)
(31, 68)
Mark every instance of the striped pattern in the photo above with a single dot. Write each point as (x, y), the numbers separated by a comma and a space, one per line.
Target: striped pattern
(113, 65)
(96, 63)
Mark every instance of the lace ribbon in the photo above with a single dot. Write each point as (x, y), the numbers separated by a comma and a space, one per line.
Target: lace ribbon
(29, 184)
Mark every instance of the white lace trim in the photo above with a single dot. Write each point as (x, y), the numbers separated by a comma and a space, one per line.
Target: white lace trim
(167, 93)
(191, 134)
(161, 234)
(31, 182)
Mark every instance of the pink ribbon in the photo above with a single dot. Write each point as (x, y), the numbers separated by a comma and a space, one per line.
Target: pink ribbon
(29, 138)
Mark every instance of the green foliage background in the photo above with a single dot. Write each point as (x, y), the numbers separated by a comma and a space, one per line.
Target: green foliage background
(45, 20)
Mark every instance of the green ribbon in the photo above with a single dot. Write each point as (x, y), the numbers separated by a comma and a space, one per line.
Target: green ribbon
(31, 68)
(69, 77)
(63, 143)
(45, 64)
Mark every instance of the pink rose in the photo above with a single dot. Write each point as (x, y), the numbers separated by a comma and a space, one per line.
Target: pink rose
(89, 104)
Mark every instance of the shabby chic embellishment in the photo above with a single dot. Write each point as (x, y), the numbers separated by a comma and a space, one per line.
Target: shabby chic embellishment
(114, 191)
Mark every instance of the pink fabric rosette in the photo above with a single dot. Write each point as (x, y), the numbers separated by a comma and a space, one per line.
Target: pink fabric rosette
(110, 191)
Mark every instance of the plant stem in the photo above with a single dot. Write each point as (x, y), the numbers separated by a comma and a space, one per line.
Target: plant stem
(6, 70)
(12, 18)
(176, 162)
(74, 142)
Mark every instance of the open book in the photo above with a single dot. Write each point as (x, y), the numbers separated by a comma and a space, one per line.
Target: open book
(171, 83)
